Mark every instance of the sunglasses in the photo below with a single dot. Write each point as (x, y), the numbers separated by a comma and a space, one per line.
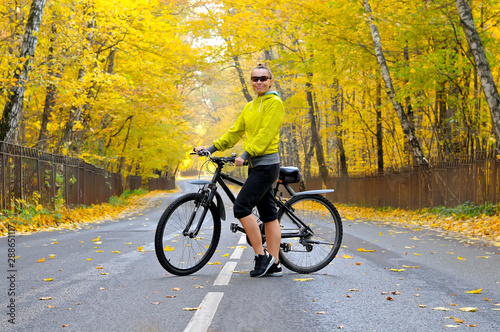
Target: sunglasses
(259, 78)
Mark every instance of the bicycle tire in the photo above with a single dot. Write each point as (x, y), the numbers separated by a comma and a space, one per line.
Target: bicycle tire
(321, 248)
(180, 254)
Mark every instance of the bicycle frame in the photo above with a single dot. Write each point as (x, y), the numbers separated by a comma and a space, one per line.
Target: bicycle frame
(220, 178)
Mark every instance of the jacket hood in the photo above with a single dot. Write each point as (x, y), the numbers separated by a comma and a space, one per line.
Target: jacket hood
(271, 93)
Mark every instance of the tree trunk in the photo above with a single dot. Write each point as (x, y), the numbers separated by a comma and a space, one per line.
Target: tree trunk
(380, 134)
(315, 137)
(482, 66)
(50, 94)
(76, 111)
(408, 130)
(241, 76)
(13, 107)
(339, 109)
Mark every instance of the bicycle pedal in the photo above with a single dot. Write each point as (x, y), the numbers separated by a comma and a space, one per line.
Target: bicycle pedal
(234, 227)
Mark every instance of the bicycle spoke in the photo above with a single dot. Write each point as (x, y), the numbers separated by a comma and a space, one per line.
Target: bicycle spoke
(305, 254)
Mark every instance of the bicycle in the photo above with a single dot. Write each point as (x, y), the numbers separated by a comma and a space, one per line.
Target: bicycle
(188, 232)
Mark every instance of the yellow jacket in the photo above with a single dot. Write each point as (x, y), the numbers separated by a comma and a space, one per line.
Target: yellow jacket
(260, 122)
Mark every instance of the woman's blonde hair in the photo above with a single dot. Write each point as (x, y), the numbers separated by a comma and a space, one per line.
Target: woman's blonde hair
(263, 66)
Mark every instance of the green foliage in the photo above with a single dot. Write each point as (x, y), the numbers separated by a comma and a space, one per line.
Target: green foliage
(467, 210)
(122, 200)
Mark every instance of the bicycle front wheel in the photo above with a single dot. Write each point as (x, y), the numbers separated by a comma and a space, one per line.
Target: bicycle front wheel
(309, 247)
(181, 254)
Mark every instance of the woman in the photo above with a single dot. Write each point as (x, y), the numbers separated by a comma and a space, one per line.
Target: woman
(260, 122)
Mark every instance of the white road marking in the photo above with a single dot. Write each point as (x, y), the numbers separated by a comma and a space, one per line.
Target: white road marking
(201, 320)
(237, 253)
(225, 274)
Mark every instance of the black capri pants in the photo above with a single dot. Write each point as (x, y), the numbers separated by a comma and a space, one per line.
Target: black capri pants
(257, 191)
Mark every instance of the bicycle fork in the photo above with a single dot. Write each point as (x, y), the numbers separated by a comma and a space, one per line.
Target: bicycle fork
(204, 203)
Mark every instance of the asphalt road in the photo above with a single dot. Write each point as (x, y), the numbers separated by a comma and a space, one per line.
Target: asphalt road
(100, 281)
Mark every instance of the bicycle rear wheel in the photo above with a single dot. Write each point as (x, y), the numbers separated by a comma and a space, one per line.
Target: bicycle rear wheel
(180, 254)
(310, 253)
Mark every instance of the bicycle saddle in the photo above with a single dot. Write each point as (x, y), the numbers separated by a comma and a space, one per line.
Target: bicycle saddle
(290, 174)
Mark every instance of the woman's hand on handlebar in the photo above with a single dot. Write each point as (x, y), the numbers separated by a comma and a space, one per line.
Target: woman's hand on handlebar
(238, 161)
(199, 148)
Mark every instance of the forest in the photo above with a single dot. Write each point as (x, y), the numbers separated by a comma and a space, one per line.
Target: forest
(132, 85)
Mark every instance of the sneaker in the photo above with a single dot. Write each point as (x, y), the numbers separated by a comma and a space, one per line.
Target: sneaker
(262, 264)
(275, 270)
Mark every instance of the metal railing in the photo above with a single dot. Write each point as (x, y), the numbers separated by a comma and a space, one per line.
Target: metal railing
(37, 177)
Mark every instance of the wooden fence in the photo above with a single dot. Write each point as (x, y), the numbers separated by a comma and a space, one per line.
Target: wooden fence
(26, 173)
(474, 179)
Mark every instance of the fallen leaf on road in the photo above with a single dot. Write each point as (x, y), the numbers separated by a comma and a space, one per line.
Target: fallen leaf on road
(50, 306)
(176, 289)
(198, 286)
(458, 320)
(48, 279)
(41, 260)
(477, 291)
(45, 298)
(168, 248)
(171, 296)
(65, 325)
(98, 251)
(191, 309)
(468, 309)
(141, 249)
(397, 270)
(452, 326)
(128, 243)
(97, 239)
(441, 309)
(156, 302)
(389, 298)
(321, 313)
(104, 273)
(461, 258)
(89, 259)
(99, 267)
(410, 267)
(365, 250)
(52, 256)
(225, 255)
(471, 325)
(422, 305)
(346, 256)
(115, 252)
(303, 279)
(239, 271)
(214, 263)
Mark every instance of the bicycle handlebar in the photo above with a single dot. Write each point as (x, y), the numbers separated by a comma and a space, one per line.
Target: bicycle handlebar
(224, 160)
